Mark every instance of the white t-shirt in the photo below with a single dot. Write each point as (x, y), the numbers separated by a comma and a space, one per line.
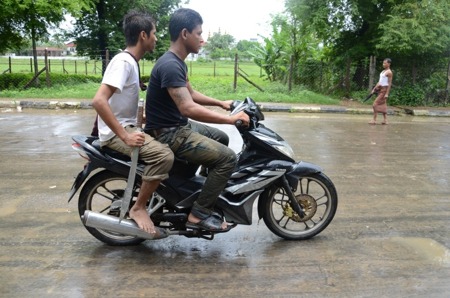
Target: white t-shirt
(123, 73)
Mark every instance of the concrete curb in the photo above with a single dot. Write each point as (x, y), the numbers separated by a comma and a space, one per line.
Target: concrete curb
(266, 107)
(326, 109)
(51, 105)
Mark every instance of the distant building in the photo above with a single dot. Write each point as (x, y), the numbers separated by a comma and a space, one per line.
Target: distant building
(71, 48)
(51, 51)
(201, 54)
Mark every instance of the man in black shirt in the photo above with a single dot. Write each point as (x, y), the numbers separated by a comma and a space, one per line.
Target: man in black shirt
(171, 101)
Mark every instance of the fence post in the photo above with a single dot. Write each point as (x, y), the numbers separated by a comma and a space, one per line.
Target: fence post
(291, 71)
(31, 64)
(107, 58)
(64, 67)
(372, 66)
(347, 77)
(85, 67)
(10, 64)
(47, 74)
(447, 88)
(214, 69)
(235, 71)
(321, 75)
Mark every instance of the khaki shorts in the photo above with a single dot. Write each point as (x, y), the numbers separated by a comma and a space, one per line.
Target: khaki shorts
(157, 157)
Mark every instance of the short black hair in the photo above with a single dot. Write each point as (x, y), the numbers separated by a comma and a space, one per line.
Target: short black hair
(388, 60)
(183, 18)
(134, 23)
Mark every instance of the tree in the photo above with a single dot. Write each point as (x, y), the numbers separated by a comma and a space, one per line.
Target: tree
(9, 35)
(417, 31)
(419, 27)
(409, 31)
(268, 57)
(220, 46)
(100, 29)
(359, 28)
(32, 19)
(243, 47)
(294, 46)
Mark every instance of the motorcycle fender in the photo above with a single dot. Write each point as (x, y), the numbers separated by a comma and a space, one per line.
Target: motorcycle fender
(301, 169)
(79, 180)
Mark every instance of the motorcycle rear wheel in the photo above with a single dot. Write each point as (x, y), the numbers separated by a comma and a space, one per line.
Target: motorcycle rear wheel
(318, 197)
(97, 195)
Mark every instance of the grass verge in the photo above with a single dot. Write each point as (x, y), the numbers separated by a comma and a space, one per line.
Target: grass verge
(217, 87)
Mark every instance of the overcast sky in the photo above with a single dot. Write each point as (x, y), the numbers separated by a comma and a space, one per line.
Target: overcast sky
(242, 19)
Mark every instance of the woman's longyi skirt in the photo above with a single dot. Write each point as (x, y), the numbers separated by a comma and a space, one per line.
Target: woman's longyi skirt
(380, 105)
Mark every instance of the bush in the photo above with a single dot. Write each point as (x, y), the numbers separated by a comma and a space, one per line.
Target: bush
(14, 80)
(17, 81)
(409, 95)
(73, 79)
(310, 74)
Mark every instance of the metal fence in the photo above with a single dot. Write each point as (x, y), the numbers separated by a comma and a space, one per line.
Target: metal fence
(413, 83)
(63, 65)
(89, 66)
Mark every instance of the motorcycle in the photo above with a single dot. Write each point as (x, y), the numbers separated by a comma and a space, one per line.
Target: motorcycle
(296, 200)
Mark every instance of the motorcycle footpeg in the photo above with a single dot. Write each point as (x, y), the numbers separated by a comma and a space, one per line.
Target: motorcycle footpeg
(197, 233)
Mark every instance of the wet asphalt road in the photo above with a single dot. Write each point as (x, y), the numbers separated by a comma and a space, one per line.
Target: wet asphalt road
(390, 236)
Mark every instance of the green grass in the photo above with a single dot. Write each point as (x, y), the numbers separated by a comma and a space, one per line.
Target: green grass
(84, 91)
(217, 87)
(222, 88)
(214, 79)
(93, 67)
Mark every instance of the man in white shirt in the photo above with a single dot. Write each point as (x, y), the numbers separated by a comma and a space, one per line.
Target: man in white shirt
(116, 103)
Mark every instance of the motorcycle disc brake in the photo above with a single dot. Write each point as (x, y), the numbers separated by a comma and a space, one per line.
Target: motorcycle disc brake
(308, 204)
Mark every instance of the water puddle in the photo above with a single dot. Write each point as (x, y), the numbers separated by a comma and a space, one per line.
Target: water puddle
(428, 248)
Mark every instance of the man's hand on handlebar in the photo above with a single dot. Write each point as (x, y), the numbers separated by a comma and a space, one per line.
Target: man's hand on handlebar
(241, 118)
(226, 105)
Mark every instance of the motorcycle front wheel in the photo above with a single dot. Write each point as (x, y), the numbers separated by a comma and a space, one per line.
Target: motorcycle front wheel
(98, 195)
(317, 196)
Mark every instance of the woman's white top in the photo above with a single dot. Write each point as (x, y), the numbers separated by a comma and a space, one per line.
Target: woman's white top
(384, 80)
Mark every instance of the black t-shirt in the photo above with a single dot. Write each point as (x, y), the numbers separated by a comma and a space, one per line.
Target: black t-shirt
(161, 111)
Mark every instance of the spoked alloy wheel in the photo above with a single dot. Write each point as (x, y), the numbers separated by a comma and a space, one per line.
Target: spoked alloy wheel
(102, 193)
(317, 196)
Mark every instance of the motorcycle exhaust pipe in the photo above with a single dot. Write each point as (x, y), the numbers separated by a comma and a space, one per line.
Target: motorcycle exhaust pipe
(125, 226)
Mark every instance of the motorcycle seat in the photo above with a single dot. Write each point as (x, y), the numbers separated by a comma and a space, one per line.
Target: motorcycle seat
(111, 152)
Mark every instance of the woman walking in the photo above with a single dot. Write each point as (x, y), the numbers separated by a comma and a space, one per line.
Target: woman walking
(382, 87)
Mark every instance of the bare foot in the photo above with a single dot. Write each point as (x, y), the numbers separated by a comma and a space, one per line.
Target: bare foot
(372, 122)
(194, 220)
(140, 216)
(384, 122)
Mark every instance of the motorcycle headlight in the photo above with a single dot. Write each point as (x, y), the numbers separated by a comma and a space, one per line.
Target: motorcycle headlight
(285, 148)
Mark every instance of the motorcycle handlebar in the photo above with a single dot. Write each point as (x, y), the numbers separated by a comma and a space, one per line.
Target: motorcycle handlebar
(239, 123)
